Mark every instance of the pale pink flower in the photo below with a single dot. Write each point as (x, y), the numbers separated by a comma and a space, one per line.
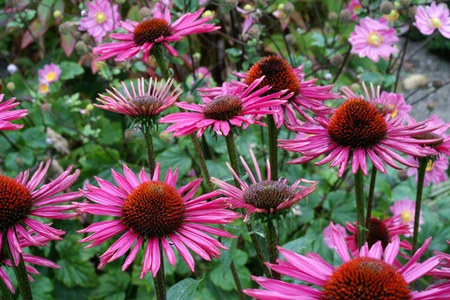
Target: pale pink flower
(43, 88)
(159, 30)
(393, 104)
(357, 131)
(372, 272)
(161, 6)
(102, 18)
(373, 39)
(49, 73)
(433, 17)
(148, 210)
(266, 197)
(249, 14)
(405, 208)
(21, 199)
(327, 239)
(7, 115)
(435, 172)
(223, 109)
(353, 7)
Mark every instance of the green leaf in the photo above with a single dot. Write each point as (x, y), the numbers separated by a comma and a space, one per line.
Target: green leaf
(70, 70)
(318, 40)
(300, 245)
(112, 286)
(112, 135)
(76, 293)
(227, 254)
(76, 274)
(71, 249)
(42, 288)
(133, 14)
(175, 158)
(373, 77)
(34, 31)
(183, 290)
(44, 9)
(35, 137)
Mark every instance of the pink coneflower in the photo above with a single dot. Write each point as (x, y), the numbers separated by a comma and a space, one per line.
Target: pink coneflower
(27, 258)
(433, 17)
(7, 115)
(223, 109)
(393, 104)
(405, 208)
(263, 196)
(373, 39)
(370, 275)
(49, 73)
(357, 131)
(280, 75)
(145, 103)
(353, 7)
(327, 239)
(21, 199)
(442, 146)
(101, 19)
(148, 210)
(379, 230)
(435, 172)
(158, 30)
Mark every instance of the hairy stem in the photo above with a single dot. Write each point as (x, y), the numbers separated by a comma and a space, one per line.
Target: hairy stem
(272, 240)
(160, 281)
(273, 150)
(420, 180)
(373, 179)
(150, 150)
(359, 197)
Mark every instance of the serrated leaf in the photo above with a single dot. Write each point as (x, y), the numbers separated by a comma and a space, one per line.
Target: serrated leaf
(373, 77)
(113, 134)
(70, 248)
(112, 286)
(176, 158)
(42, 288)
(34, 31)
(35, 137)
(76, 274)
(70, 70)
(299, 245)
(183, 290)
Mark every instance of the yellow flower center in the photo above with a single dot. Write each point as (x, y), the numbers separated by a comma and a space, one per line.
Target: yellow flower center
(374, 39)
(407, 216)
(50, 76)
(43, 88)
(356, 7)
(435, 22)
(100, 17)
(430, 165)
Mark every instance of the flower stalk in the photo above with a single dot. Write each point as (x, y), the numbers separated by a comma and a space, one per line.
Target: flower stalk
(273, 150)
(158, 53)
(420, 180)
(4, 290)
(272, 240)
(146, 130)
(160, 281)
(373, 179)
(359, 197)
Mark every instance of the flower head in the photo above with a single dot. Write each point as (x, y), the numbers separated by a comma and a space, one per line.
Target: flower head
(223, 109)
(7, 115)
(442, 144)
(102, 18)
(369, 275)
(266, 197)
(148, 210)
(21, 199)
(435, 172)
(327, 239)
(144, 104)
(374, 39)
(358, 130)
(403, 212)
(49, 73)
(158, 30)
(433, 17)
(44, 88)
(279, 74)
(353, 7)
(393, 104)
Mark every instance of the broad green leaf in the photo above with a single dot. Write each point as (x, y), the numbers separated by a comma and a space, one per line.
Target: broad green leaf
(183, 290)
(42, 288)
(63, 292)
(112, 286)
(70, 70)
(76, 273)
(318, 40)
(176, 158)
(300, 245)
(35, 137)
(373, 77)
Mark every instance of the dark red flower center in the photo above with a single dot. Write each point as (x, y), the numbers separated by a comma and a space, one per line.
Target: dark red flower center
(223, 108)
(430, 136)
(153, 209)
(357, 123)
(366, 278)
(150, 30)
(15, 202)
(147, 105)
(278, 74)
(268, 194)
(378, 231)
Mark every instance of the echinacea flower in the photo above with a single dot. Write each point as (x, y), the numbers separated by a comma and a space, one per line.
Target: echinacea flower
(405, 208)
(373, 39)
(370, 275)
(21, 199)
(357, 131)
(442, 145)
(393, 104)
(49, 73)
(327, 239)
(7, 115)
(265, 197)
(102, 18)
(435, 172)
(305, 94)
(433, 17)
(379, 230)
(145, 103)
(149, 210)
(148, 33)
(353, 7)
(223, 109)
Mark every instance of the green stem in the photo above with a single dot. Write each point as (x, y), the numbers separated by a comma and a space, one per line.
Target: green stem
(20, 272)
(158, 53)
(359, 197)
(373, 179)
(160, 281)
(232, 154)
(150, 150)
(273, 150)
(272, 241)
(423, 161)
(201, 157)
(5, 292)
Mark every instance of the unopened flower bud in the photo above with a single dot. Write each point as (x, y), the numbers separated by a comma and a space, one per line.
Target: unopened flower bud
(208, 13)
(402, 175)
(288, 8)
(437, 83)
(145, 12)
(12, 68)
(332, 16)
(248, 7)
(345, 15)
(197, 55)
(165, 136)
(328, 76)
(354, 87)
(190, 98)
(337, 60)
(386, 7)
(254, 31)
(57, 14)
(11, 86)
(81, 48)
(64, 28)
(84, 13)
(290, 39)
(89, 108)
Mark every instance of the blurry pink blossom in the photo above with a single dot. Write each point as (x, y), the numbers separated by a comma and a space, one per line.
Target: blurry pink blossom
(102, 18)
(405, 208)
(435, 171)
(353, 6)
(49, 73)
(433, 17)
